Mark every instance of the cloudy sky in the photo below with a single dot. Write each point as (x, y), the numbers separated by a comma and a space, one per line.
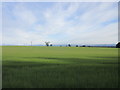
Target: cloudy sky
(60, 23)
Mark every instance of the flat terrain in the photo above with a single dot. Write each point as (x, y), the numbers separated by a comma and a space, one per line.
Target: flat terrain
(59, 67)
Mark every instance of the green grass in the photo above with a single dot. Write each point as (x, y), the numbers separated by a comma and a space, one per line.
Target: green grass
(59, 67)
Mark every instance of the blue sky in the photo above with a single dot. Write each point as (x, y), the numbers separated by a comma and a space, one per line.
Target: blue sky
(60, 23)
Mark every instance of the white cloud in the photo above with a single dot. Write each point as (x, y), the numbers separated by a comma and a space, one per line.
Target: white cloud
(23, 14)
(63, 23)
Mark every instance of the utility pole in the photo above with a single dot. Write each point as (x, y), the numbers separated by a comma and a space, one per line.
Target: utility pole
(31, 43)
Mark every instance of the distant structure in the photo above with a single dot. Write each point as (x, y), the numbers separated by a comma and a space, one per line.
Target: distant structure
(118, 45)
(47, 43)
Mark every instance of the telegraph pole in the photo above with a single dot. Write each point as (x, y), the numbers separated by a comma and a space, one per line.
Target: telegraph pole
(31, 43)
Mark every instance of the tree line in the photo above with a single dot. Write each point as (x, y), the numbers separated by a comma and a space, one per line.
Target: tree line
(69, 45)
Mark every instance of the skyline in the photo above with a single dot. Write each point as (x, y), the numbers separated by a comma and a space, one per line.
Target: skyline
(60, 23)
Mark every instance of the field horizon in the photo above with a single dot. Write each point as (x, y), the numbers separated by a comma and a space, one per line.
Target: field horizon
(59, 67)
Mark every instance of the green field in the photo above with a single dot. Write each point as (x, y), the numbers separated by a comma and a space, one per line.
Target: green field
(59, 67)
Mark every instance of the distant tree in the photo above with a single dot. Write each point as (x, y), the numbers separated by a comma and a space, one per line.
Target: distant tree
(47, 43)
(76, 45)
(83, 46)
(50, 44)
(69, 45)
(118, 45)
(60, 45)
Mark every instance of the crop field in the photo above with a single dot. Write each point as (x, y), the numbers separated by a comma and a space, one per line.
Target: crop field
(59, 67)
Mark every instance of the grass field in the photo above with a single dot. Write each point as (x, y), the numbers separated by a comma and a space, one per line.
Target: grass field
(59, 67)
